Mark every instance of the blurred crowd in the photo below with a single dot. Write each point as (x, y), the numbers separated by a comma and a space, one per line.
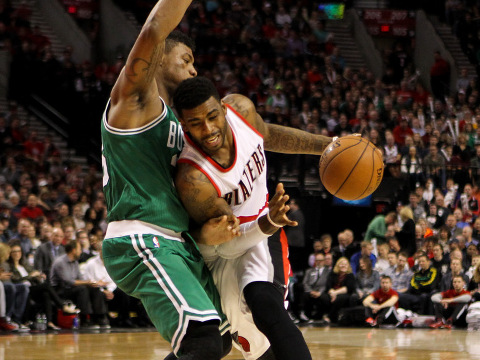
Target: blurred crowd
(280, 55)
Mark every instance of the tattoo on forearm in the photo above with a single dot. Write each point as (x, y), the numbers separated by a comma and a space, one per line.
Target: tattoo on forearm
(201, 208)
(290, 140)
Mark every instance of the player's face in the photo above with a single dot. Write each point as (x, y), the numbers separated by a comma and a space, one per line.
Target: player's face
(177, 65)
(206, 125)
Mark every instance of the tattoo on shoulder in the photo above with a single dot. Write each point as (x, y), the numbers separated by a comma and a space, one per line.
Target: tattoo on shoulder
(239, 105)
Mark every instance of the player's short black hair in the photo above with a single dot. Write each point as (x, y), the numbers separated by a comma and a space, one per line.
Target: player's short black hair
(194, 92)
(177, 37)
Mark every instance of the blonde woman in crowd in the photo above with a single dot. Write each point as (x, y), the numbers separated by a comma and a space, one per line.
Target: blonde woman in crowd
(340, 286)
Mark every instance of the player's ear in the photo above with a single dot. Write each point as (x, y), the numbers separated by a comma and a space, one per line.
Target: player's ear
(224, 107)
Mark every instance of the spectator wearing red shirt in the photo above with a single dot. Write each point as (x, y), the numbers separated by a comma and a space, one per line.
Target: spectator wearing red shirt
(440, 77)
(31, 211)
(381, 305)
(314, 76)
(401, 131)
(451, 305)
(34, 147)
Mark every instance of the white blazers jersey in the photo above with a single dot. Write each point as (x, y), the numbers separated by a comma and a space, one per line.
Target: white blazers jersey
(244, 187)
(244, 184)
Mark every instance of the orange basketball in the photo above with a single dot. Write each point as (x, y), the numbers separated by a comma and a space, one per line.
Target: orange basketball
(351, 168)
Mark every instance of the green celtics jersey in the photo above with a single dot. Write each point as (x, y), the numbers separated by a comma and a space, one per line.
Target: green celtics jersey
(138, 167)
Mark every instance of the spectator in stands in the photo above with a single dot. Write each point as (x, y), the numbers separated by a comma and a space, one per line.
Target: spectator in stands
(474, 284)
(346, 245)
(411, 166)
(317, 248)
(340, 286)
(391, 153)
(469, 204)
(16, 294)
(456, 269)
(452, 228)
(440, 77)
(473, 266)
(392, 263)
(326, 240)
(417, 208)
(5, 323)
(439, 260)
(31, 211)
(422, 284)
(467, 233)
(406, 234)
(314, 285)
(49, 251)
(472, 251)
(88, 249)
(366, 249)
(377, 228)
(458, 213)
(451, 305)
(22, 235)
(39, 289)
(367, 281)
(401, 274)
(65, 279)
(382, 259)
(380, 305)
(434, 220)
(434, 164)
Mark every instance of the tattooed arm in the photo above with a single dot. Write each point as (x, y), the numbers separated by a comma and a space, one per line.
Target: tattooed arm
(278, 138)
(135, 95)
(203, 204)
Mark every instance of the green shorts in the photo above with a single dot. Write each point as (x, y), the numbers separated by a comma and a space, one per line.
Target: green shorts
(169, 277)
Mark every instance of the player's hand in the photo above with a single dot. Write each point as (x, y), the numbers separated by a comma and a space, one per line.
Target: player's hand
(278, 208)
(219, 230)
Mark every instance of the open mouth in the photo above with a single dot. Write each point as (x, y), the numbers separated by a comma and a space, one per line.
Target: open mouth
(212, 141)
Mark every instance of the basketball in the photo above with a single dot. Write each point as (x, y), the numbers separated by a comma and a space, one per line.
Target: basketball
(351, 168)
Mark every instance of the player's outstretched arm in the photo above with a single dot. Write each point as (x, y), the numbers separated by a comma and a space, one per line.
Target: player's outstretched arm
(278, 138)
(136, 87)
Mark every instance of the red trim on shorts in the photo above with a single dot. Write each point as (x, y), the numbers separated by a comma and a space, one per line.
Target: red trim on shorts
(195, 165)
(244, 120)
(286, 262)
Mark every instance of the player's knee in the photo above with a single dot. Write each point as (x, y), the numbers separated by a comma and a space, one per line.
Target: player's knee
(202, 342)
(265, 302)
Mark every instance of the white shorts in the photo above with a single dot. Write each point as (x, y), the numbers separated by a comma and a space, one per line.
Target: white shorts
(231, 276)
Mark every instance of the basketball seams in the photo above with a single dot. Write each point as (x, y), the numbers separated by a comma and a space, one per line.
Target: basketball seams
(353, 168)
(350, 146)
(371, 176)
(340, 167)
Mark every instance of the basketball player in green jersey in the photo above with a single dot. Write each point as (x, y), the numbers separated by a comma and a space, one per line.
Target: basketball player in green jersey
(147, 250)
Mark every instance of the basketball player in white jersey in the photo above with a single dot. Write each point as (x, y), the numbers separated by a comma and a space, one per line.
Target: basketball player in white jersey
(222, 170)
